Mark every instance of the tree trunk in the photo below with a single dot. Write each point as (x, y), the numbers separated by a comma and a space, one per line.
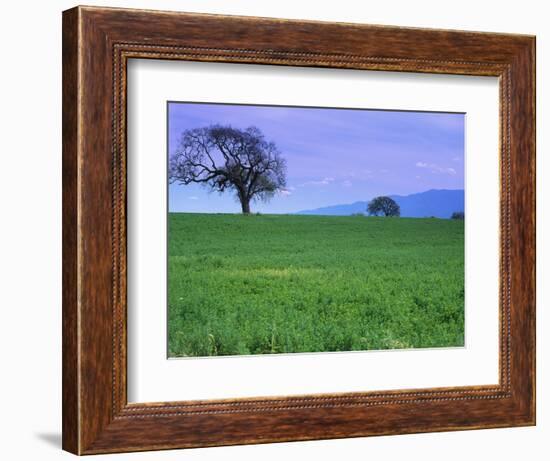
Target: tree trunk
(245, 205)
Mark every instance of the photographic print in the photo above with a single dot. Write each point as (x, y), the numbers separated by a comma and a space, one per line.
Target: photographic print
(313, 229)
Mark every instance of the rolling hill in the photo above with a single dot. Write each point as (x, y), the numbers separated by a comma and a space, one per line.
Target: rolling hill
(440, 203)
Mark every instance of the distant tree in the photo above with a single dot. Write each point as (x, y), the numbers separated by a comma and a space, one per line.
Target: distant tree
(224, 158)
(383, 206)
(457, 215)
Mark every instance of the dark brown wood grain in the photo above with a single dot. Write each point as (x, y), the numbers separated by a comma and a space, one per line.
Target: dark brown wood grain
(97, 43)
(70, 384)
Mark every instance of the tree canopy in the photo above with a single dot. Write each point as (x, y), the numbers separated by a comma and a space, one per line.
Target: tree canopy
(224, 158)
(383, 206)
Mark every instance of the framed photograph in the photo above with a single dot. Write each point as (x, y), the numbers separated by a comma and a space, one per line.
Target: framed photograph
(282, 230)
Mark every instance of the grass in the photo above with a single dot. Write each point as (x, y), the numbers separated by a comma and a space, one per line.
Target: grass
(282, 283)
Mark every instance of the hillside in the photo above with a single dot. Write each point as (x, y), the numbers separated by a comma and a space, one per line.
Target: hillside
(439, 203)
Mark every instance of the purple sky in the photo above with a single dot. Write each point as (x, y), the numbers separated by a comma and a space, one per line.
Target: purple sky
(334, 156)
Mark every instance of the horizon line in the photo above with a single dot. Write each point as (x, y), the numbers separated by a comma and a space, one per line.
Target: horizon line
(305, 212)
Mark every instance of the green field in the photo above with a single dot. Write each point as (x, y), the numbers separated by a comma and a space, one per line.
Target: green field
(264, 284)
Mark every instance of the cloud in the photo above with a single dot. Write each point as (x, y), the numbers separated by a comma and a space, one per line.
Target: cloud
(193, 197)
(347, 183)
(436, 168)
(285, 192)
(322, 182)
(360, 175)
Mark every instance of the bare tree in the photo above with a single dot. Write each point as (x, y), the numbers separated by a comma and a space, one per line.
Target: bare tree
(224, 158)
(385, 206)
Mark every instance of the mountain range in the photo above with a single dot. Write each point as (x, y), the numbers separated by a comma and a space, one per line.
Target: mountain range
(439, 203)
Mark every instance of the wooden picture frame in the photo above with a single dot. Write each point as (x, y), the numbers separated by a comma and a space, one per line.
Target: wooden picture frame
(97, 43)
